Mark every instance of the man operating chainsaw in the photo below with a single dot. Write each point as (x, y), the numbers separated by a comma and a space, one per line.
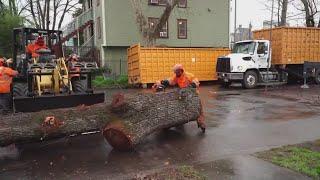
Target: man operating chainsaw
(6, 75)
(182, 79)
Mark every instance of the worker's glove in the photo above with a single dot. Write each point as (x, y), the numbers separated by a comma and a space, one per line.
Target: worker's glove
(160, 88)
(192, 85)
(165, 83)
(9, 61)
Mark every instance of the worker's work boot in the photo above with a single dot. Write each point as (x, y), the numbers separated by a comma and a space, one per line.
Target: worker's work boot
(201, 123)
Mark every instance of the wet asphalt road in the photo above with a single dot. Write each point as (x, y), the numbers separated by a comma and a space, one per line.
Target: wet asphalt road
(240, 122)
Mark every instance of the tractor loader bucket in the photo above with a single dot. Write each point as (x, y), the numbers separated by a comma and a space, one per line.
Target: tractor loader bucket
(34, 104)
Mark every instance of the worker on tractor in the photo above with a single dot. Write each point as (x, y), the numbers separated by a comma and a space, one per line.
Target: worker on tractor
(72, 60)
(32, 48)
(6, 75)
(75, 78)
(182, 79)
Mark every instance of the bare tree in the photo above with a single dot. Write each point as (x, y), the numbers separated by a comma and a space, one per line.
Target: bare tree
(2, 6)
(15, 7)
(151, 33)
(49, 14)
(284, 12)
(310, 9)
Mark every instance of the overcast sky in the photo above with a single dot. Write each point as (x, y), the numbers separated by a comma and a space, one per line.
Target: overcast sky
(255, 11)
(249, 11)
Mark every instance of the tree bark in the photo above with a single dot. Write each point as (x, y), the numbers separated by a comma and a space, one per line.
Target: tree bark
(308, 12)
(48, 14)
(149, 34)
(31, 4)
(30, 127)
(137, 118)
(129, 119)
(55, 8)
(284, 13)
(65, 10)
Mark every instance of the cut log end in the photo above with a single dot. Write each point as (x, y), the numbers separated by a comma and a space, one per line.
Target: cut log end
(117, 138)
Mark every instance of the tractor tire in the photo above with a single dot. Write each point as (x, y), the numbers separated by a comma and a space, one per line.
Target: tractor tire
(20, 89)
(79, 86)
(250, 80)
(317, 76)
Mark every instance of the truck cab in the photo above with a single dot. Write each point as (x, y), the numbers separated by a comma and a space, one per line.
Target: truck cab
(250, 64)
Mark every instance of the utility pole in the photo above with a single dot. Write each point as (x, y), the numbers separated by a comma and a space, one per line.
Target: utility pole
(270, 45)
(235, 21)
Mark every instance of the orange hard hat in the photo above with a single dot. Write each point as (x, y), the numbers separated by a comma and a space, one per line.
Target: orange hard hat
(178, 67)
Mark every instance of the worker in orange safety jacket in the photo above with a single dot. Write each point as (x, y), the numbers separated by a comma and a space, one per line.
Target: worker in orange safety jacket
(6, 75)
(182, 79)
(74, 78)
(32, 48)
(72, 60)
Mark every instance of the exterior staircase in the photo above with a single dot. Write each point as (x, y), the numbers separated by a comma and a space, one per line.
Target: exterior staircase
(77, 25)
(87, 50)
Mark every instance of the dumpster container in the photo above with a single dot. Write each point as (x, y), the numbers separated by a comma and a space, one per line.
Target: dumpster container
(292, 45)
(147, 65)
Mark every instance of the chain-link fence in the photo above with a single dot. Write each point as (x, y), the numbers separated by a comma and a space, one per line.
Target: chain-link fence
(86, 53)
(116, 68)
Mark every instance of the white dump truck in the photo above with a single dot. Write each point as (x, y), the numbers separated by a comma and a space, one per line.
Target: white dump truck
(293, 53)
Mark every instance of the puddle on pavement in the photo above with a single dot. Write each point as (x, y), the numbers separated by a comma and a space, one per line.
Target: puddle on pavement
(287, 114)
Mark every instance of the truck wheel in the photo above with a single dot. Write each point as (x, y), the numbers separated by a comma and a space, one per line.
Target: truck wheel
(250, 79)
(317, 76)
(20, 89)
(79, 86)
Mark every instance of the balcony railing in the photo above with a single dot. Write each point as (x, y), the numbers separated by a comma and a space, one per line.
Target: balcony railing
(88, 43)
(77, 22)
(86, 53)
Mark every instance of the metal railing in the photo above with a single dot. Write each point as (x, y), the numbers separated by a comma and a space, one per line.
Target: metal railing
(88, 43)
(86, 53)
(77, 22)
(117, 67)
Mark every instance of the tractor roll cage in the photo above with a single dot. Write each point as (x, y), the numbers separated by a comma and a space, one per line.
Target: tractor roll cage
(23, 36)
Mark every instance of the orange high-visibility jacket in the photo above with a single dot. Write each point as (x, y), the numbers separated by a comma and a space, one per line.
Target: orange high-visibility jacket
(33, 48)
(184, 80)
(6, 75)
(74, 69)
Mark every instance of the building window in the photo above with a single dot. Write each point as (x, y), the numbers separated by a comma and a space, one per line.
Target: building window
(164, 31)
(182, 29)
(99, 33)
(89, 4)
(162, 2)
(155, 2)
(182, 4)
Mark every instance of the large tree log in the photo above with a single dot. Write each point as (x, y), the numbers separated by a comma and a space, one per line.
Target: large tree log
(138, 117)
(30, 127)
(129, 119)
